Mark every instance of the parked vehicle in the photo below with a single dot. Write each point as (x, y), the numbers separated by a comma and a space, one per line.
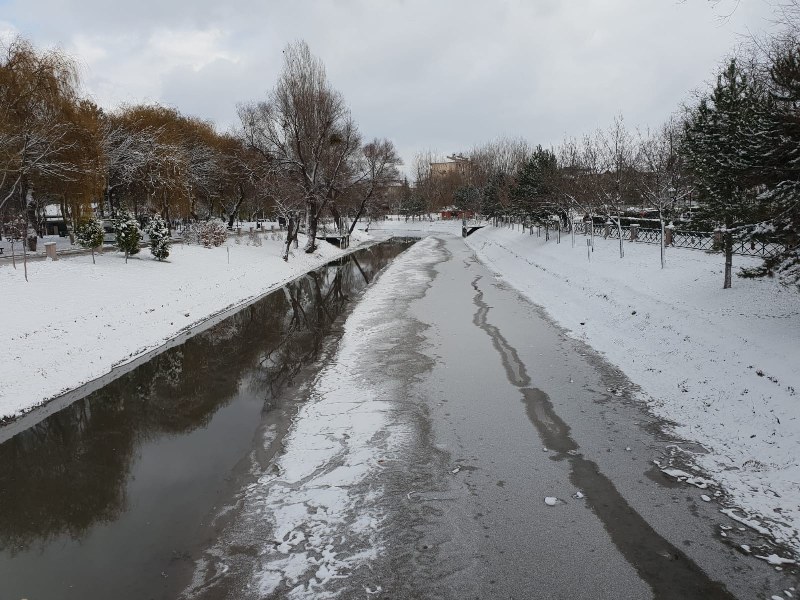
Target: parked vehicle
(109, 237)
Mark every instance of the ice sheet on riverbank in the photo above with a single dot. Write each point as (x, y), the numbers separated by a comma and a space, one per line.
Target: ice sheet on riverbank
(73, 321)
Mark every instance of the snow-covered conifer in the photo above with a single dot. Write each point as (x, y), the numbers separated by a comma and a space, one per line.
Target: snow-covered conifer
(90, 234)
(718, 134)
(158, 233)
(774, 156)
(128, 233)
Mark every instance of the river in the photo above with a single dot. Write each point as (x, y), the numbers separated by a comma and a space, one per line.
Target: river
(110, 496)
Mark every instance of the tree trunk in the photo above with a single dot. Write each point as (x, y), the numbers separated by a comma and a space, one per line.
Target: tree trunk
(311, 227)
(68, 216)
(29, 208)
(291, 233)
(728, 241)
(358, 214)
(235, 210)
(618, 223)
(337, 217)
(661, 223)
(102, 205)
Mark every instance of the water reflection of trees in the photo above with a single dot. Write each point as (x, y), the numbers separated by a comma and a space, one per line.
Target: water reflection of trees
(315, 304)
(70, 471)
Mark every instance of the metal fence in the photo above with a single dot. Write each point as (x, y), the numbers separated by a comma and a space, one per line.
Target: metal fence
(696, 240)
(691, 239)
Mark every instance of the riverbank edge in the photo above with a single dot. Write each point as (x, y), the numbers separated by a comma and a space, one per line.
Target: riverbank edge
(12, 424)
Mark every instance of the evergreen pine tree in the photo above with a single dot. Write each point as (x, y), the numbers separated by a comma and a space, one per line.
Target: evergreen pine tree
(128, 234)
(531, 195)
(90, 235)
(716, 147)
(406, 198)
(158, 233)
(775, 153)
(467, 198)
(492, 205)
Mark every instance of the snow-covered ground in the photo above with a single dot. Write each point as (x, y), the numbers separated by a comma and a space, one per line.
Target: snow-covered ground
(723, 365)
(73, 320)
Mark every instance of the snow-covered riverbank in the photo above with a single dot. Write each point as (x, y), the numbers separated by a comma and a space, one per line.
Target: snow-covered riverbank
(74, 321)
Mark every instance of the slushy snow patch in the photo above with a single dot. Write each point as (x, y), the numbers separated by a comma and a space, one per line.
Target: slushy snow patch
(754, 525)
(776, 560)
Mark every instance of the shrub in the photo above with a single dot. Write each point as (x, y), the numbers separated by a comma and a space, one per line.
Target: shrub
(126, 228)
(212, 233)
(158, 233)
(90, 234)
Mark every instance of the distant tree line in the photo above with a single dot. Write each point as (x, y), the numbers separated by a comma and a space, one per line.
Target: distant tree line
(297, 153)
(729, 160)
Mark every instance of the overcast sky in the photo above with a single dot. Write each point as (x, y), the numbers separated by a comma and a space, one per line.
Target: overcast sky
(435, 74)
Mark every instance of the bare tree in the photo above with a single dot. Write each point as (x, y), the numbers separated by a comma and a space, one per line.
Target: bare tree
(126, 153)
(575, 183)
(661, 182)
(610, 162)
(305, 130)
(376, 170)
(427, 186)
(503, 155)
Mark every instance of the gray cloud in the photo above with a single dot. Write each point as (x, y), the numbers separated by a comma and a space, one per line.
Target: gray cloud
(445, 74)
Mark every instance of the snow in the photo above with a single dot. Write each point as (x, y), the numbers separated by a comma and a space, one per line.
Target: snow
(336, 442)
(321, 499)
(399, 226)
(688, 478)
(74, 321)
(776, 560)
(720, 364)
(754, 525)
